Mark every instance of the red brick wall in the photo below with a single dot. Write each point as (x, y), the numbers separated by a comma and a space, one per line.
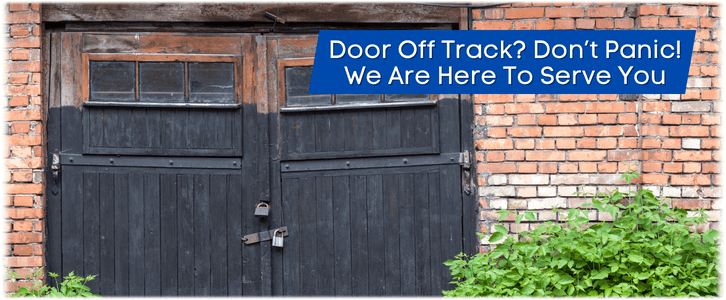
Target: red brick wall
(535, 151)
(24, 155)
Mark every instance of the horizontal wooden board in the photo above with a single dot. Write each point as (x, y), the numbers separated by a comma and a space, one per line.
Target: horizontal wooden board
(309, 12)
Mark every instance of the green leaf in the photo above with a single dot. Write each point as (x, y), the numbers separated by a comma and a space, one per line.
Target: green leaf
(500, 228)
(495, 237)
(529, 216)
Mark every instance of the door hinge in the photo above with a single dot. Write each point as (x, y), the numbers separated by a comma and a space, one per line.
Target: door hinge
(465, 160)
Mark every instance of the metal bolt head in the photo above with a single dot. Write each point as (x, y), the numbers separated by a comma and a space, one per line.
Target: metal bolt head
(171, 162)
(405, 161)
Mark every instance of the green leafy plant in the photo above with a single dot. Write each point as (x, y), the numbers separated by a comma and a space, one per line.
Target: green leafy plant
(72, 286)
(649, 249)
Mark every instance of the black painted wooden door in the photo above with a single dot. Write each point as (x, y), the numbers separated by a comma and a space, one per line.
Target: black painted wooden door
(158, 163)
(369, 186)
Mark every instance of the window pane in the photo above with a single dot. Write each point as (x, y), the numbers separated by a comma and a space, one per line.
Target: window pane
(161, 81)
(211, 82)
(407, 97)
(349, 98)
(297, 83)
(114, 81)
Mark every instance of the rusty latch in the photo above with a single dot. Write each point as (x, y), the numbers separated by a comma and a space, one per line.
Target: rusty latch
(263, 236)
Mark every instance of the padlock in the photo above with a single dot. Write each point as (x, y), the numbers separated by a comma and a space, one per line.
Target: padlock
(277, 240)
(262, 211)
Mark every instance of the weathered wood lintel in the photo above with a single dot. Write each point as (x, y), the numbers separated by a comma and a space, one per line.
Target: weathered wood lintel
(252, 12)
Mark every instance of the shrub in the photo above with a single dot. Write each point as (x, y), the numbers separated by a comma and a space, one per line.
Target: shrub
(72, 286)
(648, 250)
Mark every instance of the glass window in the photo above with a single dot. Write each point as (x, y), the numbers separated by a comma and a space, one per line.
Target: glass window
(112, 81)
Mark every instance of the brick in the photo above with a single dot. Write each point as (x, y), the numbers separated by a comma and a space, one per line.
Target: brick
(587, 119)
(24, 262)
(605, 107)
(690, 180)
(691, 107)
(547, 120)
(586, 155)
(23, 140)
(14, 189)
(493, 25)
(708, 46)
(651, 144)
(691, 168)
(529, 179)
(565, 144)
(710, 144)
(524, 13)
(671, 144)
(680, 11)
(607, 143)
(689, 22)
(563, 132)
(544, 144)
(496, 133)
(624, 155)
(604, 24)
(19, 30)
(524, 131)
(657, 155)
(574, 179)
(668, 22)
(19, 79)
(20, 128)
(493, 14)
(25, 42)
(544, 24)
(655, 178)
(673, 168)
(499, 120)
(22, 226)
(23, 66)
(650, 118)
(547, 203)
(710, 94)
(548, 168)
(496, 144)
(658, 106)
(497, 168)
(657, 10)
(564, 12)
(567, 120)
(625, 23)
(20, 163)
(691, 144)
(524, 120)
(692, 155)
(13, 7)
(503, 191)
(545, 156)
(585, 24)
(22, 18)
(708, 22)
(567, 24)
(493, 98)
(671, 119)
(528, 168)
(495, 157)
(515, 155)
(606, 12)
(588, 143)
(651, 167)
(689, 131)
(648, 22)
(524, 108)
(524, 25)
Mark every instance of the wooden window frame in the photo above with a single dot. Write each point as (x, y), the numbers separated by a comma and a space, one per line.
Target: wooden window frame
(86, 58)
(303, 62)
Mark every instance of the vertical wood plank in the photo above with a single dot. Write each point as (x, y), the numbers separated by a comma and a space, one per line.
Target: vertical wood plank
(167, 128)
(95, 130)
(234, 235)
(209, 128)
(308, 244)
(359, 234)
(393, 128)
(307, 133)
(408, 130)
(437, 260)
(448, 112)
(451, 231)
(325, 236)
(125, 128)
(422, 234)
(91, 259)
(291, 257)
(379, 129)
(364, 140)
(202, 249)
(407, 230)
(322, 131)
(376, 233)
(180, 139)
(153, 128)
(342, 230)
(337, 132)
(110, 127)
(218, 224)
(121, 190)
(225, 128)
(351, 129)
(136, 233)
(185, 233)
(422, 136)
(152, 232)
(168, 224)
(195, 128)
(140, 129)
(107, 231)
(392, 226)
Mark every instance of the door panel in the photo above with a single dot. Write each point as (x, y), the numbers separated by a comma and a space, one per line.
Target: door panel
(370, 186)
(154, 194)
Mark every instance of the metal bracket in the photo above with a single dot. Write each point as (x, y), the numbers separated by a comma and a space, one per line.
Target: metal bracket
(465, 160)
(262, 236)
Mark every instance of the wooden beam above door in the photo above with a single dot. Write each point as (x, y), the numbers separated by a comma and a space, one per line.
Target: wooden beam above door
(252, 12)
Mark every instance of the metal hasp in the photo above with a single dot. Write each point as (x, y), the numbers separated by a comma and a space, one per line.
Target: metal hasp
(465, 162)
(55, 167)
(263, 236)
